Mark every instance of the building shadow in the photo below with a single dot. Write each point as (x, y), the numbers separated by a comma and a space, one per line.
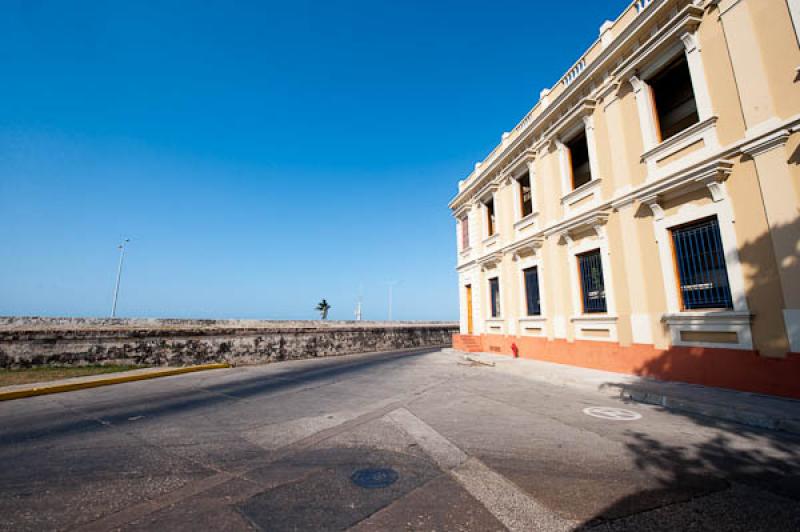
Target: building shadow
(734, 463)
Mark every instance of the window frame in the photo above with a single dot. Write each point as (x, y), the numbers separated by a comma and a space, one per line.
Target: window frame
(495, 305)
(526, 286)
(584, 297)
(568, 146)
(464, 223)
(677, 270)
(521, 194)
(657, 115)
(490, 216)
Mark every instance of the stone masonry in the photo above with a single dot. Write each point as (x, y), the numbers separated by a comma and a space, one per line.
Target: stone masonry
(27, 342)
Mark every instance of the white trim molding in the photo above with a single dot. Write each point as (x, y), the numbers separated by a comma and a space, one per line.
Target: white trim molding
(678, 320)
(737, 322)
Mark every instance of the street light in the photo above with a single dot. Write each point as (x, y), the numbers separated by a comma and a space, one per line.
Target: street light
(121, 248)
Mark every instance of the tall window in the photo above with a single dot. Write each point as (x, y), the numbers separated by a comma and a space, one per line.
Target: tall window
(579, 160)
(532, 291)
(592, 284)
(494, 296)
(700, 264)
(525, 195)
(465, 232)
(490, 218)
(673, 98)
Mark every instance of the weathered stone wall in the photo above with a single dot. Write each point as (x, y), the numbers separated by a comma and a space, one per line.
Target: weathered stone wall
(28, 342)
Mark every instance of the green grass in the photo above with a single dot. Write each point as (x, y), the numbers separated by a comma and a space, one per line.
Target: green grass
(9, 377)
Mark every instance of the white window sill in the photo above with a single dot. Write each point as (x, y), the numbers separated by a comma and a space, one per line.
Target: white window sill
(708, 323)
(598, 318)
(491, 240)
(685, 138)
(708, 316)
(533, 319)
(595, 327)
(528, 221)
(581, 192)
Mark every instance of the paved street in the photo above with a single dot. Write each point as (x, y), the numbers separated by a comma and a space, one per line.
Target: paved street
(434, 443)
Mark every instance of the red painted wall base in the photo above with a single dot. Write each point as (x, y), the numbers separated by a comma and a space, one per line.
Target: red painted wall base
(735, 369)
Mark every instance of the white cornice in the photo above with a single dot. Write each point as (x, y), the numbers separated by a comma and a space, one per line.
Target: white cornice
(522, 131)
(766, 143)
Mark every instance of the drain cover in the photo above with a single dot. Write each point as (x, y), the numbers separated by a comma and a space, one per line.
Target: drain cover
(373, 477)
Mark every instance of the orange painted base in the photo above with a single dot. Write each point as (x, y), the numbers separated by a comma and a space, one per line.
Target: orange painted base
(735, 369)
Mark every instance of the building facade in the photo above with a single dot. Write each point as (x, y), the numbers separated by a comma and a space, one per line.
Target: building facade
(644, 216)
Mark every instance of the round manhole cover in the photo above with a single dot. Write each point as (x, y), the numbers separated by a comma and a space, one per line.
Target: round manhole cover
(611, 413)
(374, 477)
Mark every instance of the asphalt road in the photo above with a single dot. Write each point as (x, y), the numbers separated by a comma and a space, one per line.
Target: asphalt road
(434, 444)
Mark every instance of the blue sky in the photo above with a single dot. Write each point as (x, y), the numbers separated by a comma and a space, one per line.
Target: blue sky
(260, 155)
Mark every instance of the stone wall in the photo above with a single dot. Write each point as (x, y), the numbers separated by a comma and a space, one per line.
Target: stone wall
(26, 342)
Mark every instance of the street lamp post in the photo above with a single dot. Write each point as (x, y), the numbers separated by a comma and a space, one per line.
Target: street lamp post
(119, 276)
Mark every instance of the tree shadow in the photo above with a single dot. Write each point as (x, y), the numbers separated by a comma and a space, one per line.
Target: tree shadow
(771, 367)
(754, 474)
(729, 472)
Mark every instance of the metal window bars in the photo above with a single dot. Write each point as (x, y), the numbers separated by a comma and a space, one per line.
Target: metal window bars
(592, 284)
(700, 261)
(532, 291)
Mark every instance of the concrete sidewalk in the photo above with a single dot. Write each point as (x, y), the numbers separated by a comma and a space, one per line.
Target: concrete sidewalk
(763, 411)
(33, 389)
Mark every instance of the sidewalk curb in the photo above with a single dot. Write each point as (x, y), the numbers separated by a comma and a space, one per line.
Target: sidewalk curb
(43, 389)
(737, 415)
(636, 393)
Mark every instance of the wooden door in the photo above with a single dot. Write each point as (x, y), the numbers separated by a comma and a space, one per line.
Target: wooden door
(469, 309)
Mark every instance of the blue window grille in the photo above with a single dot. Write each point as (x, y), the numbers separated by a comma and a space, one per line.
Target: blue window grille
(700, 261)
(592, 286)
(494, 296)
(532, 291)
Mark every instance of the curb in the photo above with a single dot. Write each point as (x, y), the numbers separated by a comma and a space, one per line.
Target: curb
(736, 415)
(118, 379)
(719, 411)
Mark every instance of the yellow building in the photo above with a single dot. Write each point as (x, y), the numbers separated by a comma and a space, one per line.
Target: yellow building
(644, 216)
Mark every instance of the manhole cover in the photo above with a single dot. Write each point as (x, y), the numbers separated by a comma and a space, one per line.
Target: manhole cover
(371, 478)
(611, 413)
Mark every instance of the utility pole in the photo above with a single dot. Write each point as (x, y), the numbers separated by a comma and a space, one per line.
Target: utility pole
(121, 248)
(358, 303)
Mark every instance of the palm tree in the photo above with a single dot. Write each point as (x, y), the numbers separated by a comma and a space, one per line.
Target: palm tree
(323, 307)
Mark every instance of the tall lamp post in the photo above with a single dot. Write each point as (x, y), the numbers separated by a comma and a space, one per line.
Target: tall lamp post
(119, 276)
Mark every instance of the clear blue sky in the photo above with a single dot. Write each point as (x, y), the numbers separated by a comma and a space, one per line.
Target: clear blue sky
(260, 155)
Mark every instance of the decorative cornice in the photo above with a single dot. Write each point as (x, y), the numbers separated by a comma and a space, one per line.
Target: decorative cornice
(529, 244)
(710, 174)
(594, 219)
(769, 142)
(490, 259)
(524, 127)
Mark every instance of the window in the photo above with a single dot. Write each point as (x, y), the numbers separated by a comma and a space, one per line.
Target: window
(579, 160)
(532, 291)
(592, 285)
(465, 233)
(700, 265)
(490, 218)
(673, 98)
(525, 195)
(494, 296)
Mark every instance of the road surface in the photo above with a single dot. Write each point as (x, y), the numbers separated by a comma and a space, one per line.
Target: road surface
(393, 441)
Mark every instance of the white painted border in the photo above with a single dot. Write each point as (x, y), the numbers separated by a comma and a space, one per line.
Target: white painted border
(524, 318)
(609, 318)
(687, 213)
